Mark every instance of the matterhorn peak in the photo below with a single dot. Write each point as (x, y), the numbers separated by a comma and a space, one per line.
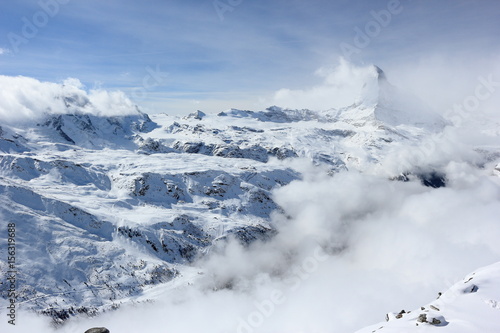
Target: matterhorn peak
(380, 101)
(375, 87)
(380, 73)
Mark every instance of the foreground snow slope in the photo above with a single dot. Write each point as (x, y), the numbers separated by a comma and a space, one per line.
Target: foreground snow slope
(470, 305)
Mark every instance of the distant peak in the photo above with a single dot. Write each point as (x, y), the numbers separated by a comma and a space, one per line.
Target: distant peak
(379, 100)
(199, 115)
(380, 73)
(375, 88)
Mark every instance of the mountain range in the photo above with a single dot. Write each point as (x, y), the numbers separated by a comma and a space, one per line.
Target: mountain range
(109, 208)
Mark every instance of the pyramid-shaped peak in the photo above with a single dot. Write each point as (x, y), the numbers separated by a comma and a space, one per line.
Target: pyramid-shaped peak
(380, 101)
(376, 89)
(380, 73)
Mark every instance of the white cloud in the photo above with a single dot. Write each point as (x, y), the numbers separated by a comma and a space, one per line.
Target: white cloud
(4, 51)
(445, 80)
(26, 322)
(400, 243)
(341, 87)
(25, 99)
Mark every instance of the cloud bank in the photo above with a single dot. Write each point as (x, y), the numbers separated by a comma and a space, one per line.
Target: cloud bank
(342, 85)
(25, 99)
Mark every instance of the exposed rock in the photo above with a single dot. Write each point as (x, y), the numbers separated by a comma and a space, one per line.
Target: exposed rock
(276, 114)
(152, 146)
(471, 289)
(92, 131)
(438, 321)
(197, 115)
(400, 314)
(422, 318)
(432, 179)
(249, 234)
(435, 321)
(97, 330)
(254, 152)
(283, 152)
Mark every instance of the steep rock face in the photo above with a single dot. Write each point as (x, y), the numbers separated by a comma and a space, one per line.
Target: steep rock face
(178, 241)
(226, 193)
(11, 142)
(90, 131)
(27, 168)
(256, 153)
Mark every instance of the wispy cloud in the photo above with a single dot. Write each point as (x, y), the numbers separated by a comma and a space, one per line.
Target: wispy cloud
(341, 87)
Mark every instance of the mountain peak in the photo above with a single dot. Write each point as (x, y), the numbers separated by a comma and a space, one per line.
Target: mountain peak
(380, 101)
(380, 73)
(374, 87)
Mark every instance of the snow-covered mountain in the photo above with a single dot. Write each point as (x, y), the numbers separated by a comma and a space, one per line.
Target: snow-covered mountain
(382, 102)
(107, 207)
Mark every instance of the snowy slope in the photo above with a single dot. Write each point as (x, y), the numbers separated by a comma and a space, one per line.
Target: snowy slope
(470, 305)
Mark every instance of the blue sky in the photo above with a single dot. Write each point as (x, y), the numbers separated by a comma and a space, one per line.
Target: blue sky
(243, 53)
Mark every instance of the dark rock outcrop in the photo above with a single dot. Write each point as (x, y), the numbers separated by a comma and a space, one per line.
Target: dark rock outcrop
(97, 330)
